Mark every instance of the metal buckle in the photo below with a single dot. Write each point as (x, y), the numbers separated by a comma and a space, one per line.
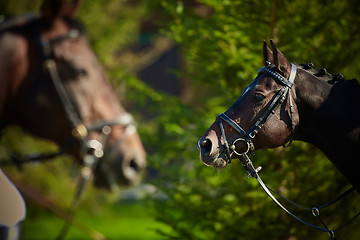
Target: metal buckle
(248, 165)
(252, 134)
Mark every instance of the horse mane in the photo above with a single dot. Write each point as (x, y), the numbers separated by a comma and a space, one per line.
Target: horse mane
(18, 24)
(323, 74)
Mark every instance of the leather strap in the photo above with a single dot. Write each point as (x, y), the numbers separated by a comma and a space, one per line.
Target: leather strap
(233, 124)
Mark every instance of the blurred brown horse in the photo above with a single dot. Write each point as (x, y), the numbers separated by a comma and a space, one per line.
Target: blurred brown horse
(52, 85)
(288, 102)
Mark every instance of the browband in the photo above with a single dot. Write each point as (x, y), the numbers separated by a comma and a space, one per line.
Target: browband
(277, 76)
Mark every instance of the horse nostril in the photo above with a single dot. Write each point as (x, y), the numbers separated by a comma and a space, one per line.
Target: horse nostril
(132, 169)
(205, 146)
(134, 165)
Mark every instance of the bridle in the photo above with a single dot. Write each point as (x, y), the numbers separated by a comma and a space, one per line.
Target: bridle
(79, 130)
(244, 145)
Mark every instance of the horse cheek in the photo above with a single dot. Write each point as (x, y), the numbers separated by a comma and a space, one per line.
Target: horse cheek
(273, 134)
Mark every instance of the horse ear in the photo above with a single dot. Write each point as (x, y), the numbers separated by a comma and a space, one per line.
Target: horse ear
(54, 9)
(280, 60)
(267, 55)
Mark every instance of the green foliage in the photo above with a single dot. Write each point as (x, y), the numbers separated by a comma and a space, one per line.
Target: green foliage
(128, 221)
(15, 8)
(222, 50)
(111, 25)
(220, 42)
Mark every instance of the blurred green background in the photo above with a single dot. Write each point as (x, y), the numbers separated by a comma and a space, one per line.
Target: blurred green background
(176, 65)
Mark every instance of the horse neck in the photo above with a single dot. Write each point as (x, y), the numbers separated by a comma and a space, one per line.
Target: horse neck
(15, 54)
(329, 120)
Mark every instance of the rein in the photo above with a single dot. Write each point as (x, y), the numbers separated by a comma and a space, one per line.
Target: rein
(244, 145)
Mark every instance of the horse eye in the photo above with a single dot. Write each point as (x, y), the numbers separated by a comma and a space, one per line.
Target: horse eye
(81, 72)
(258, 97)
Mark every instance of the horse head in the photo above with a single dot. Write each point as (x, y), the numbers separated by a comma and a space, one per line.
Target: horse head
(264, 116)
(288, 102)
(54, 87)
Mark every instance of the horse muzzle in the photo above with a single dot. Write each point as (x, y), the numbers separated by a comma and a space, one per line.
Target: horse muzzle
(212, 155)
(120, 170)
(123, 163)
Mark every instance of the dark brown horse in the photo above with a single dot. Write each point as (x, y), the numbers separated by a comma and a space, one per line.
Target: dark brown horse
(288, 102)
